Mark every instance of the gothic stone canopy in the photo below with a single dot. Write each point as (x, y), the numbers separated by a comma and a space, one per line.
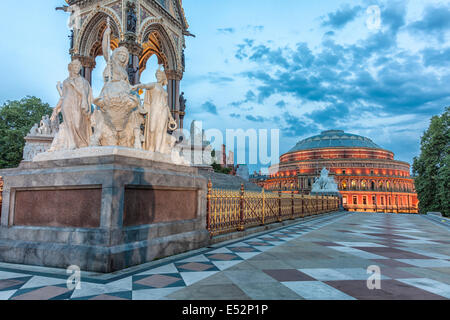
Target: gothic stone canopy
(145, 27)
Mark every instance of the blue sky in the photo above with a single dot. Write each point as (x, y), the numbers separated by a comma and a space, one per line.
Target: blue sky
(294, 65)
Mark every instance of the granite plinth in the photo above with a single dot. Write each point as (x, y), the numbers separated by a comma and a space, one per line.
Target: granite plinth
(102, 213)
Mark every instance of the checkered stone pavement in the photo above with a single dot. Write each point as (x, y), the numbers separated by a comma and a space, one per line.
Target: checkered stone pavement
(325, 258)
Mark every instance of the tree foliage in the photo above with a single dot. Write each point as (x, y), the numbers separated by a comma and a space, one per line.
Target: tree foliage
(16, 120)
(432, 167)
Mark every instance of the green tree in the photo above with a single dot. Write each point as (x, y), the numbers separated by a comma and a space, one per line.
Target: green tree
(432, 167)
(16, 120)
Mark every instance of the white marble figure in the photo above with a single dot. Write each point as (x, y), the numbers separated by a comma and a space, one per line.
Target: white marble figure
(325, 183)
(159, 118)
(34, 130)
(118, 123)
(45, 127)
(75, 106)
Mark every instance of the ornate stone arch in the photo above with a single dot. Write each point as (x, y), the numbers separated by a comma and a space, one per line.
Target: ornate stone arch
(153, 29)
(93, 28)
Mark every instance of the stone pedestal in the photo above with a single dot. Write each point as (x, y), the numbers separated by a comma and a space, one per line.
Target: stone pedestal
(36, 144)
(102, 213)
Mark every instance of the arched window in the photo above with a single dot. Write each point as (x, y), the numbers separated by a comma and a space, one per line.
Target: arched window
(388, 185)
(364, 184)
(353, 184)
(344, 185)
(372, 185)
(380, 185)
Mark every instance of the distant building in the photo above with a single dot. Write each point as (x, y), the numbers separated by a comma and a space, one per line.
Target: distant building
(243, 172)
(368, 177)
(258, 178)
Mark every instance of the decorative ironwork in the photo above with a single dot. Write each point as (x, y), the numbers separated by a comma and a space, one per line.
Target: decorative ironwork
(230, 210)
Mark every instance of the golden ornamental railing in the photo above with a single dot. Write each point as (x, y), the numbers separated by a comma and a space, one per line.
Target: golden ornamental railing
(381, 208)
(235, 210)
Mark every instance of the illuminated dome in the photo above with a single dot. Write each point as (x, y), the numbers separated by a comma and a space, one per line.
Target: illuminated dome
(335, 139)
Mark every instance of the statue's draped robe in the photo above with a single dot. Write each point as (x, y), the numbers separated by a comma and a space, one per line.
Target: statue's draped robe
(75, 109)
(156, 125)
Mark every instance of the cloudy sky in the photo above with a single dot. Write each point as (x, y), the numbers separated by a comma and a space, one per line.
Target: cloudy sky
(295, 65)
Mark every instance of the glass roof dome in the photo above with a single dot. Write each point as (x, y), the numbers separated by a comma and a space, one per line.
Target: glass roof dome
(335, 139)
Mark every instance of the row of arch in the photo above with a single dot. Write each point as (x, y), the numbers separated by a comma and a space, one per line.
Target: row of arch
(375, 185)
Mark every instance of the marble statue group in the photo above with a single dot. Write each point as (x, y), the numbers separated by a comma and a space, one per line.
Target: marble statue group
(325, 183)
(117, 117)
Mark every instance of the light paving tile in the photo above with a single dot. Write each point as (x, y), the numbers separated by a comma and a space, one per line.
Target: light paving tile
(358, 273)
(361, 244)
(358, 253)
(263, 248)
(316, 290)
(199, 258)
(429, 285)
(169, 268)
(11, 275)
(221, 250)
(125, 284)
(326, 274)
(428, 253)
(194, 277)
(415, 241)
(224, 265)
(93, 289)
(5, 295)
(154, 294)
(247, 255)
(239, 244)
(38, 281)
(426, 263)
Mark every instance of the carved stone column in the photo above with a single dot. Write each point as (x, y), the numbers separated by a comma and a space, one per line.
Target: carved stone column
(173, 89)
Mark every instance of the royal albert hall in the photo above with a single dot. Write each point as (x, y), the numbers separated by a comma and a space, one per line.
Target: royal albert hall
(369, 178)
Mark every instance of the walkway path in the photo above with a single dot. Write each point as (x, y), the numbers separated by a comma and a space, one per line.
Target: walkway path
(324, 258)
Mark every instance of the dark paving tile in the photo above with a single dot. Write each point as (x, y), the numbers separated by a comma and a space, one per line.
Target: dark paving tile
(259, 243)
(393, 253)
(107, 297)
(390, 290)
(442, 241)
(391, 263)
(328, 244)
(13, 284)
(44, 293)
(157, 281)
(271, 239)
(195, 266)
(268, 291)
(210, 292)
(284, 275)
(243, 249)
(344, 231)
(389, 236)
(223, 257)
(396, 273)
